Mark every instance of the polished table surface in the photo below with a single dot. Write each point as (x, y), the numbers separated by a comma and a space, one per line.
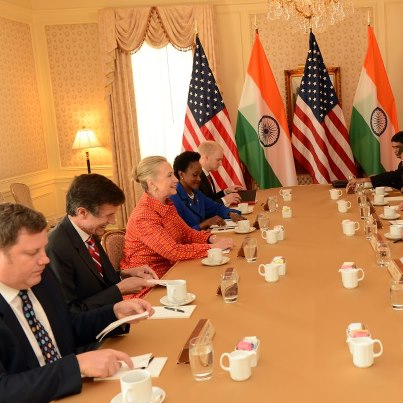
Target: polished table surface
(301, 320)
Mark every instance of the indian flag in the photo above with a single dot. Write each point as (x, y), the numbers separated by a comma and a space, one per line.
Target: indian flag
(374, 118)
(262, 134)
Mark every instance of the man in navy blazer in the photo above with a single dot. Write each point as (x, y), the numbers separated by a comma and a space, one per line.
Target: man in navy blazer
(25, 375)
(211, 155)
(91, 204)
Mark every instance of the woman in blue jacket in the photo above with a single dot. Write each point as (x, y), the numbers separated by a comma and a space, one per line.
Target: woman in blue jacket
(195, 208)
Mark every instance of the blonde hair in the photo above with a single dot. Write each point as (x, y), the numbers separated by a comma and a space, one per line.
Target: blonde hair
(208, 147)
(147, 169)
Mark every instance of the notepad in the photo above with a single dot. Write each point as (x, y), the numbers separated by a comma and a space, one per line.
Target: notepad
(162, 313)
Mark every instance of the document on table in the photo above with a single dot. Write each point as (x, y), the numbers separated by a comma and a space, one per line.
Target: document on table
(394, 198)
(119, 322)
(161, 312)
(152, 364)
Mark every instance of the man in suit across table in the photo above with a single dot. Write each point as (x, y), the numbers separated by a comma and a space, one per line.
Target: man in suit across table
(211, 155)
(38, 335)
(90, 281)
(393, 179)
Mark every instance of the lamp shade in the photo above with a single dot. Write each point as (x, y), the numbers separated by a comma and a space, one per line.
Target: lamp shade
(85, 138)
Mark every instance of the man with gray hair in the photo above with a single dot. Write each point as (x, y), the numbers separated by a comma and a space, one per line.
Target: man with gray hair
(211, 155)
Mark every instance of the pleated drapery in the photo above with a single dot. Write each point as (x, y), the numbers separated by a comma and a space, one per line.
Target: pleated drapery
(122, 31)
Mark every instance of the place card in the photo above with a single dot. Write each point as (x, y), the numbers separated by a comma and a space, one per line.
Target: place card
(395, 269)
(203, 328)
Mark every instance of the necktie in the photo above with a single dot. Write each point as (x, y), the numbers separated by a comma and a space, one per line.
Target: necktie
(210, 179)
(45, 343)
(94, 252)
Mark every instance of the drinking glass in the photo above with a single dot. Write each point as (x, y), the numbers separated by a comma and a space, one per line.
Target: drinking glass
(263, 221)
(201, 357)
(229, 286)
(396, 295)
(382, 252)
(249, 249)
(272, 203)
(364, 210)
(370, 228)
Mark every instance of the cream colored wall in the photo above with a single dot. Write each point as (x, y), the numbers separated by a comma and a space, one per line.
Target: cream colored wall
(69, 79)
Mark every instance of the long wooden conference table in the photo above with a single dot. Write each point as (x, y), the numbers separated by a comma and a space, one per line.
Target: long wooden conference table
(301, 320)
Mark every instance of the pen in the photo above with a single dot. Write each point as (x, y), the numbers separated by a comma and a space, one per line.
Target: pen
(174, 309)
(149, 362)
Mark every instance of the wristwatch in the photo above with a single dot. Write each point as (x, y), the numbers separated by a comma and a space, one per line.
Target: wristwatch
(211, 238)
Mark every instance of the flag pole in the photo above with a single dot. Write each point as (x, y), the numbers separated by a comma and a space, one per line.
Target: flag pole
(369, 19)
(255, 26)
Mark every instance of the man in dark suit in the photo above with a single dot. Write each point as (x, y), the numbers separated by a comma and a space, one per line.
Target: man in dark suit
(38, 335)
(393, 179)
(211, 155)
(77, 258)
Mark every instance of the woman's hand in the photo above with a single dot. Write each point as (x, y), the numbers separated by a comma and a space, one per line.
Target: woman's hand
(236, 217)
(223, 243)
(216, 220)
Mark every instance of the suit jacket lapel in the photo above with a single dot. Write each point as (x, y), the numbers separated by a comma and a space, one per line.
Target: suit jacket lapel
(82, 250)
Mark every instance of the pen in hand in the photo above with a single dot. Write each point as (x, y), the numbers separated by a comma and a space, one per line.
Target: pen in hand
(174, 309)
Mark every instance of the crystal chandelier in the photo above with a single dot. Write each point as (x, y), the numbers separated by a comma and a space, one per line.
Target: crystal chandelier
(309, 15)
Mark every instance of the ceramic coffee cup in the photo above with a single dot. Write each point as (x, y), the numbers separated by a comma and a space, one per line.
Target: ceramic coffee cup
(243, 225)
(335, 194)
(363, 351)
(349, 277)
(343, 205)
(270, 235)
(136, 386)
(389, 212)
(350, 227)
(379, 199)
(269, 271)
(176, 291)
(243, 208)
(215, 255)
(380, 190)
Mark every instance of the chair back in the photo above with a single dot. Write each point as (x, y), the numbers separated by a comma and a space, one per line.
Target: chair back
(22, 194)
(113, 241)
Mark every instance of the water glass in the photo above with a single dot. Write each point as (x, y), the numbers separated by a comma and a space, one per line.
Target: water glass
(201, 357)
(272, 203)
(364, 210)
(249, 249)
(370, 228)
(396, 295)
(382, 252)
(263, 221)
(229, 286)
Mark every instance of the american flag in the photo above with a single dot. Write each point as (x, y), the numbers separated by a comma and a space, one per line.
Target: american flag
(207, 119)
(319, 134)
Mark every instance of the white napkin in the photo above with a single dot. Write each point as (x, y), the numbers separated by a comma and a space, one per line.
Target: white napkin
(140, 361)
(162, 313)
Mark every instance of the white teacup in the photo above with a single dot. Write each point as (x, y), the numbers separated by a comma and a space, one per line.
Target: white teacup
(243, 226)
(349, 227)
(243, 208)
(379, 199)
(349, 277)
(269, 271)
(343, 205)
(214, 255)
(380, 190)
(136, 386)
(240, 364)
(395, 231)
(335, 194)
(363, 351)
(389, 212)
(176, 291)
(270, 235)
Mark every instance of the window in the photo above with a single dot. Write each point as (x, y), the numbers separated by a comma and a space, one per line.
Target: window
(161, 84)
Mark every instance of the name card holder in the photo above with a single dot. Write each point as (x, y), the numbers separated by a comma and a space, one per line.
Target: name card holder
(203, 328)
(395, 269)
(375, 239)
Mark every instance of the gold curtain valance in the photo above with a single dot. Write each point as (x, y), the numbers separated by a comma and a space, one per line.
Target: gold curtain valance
(125, 30)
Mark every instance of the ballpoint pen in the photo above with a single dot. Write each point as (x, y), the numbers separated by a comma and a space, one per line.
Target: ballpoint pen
(174, 309)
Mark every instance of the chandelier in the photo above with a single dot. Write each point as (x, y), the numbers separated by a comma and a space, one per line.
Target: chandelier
(307, 15)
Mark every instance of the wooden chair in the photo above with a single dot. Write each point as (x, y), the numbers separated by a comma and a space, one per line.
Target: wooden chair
(113, 241)
(22, 194)
(2, 199)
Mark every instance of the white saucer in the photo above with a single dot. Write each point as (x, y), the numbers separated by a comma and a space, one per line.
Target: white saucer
(393, 238)
(156, 392)
(389, 218)
(250, 210)
(225, 259)
(251, 229)
(379, 204)
(190, 297)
